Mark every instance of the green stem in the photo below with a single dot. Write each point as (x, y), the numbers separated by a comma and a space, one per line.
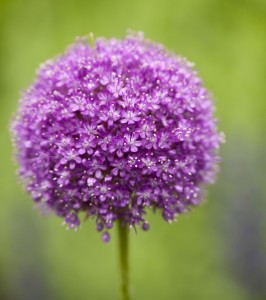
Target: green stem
(123, 235)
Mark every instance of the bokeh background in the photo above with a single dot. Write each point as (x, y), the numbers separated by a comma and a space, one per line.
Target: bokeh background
(216, 252)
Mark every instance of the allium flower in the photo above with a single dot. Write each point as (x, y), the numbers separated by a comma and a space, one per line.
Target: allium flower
(114, 129)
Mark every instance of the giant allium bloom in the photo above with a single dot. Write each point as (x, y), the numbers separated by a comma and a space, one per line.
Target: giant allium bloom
(114, 129)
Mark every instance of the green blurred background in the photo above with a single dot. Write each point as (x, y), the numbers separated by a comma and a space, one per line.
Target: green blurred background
(215, 252)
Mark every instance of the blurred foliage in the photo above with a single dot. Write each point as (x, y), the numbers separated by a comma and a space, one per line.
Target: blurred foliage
(195, 258)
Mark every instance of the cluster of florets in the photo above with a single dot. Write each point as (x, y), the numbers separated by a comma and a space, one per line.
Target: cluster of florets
(113, 129)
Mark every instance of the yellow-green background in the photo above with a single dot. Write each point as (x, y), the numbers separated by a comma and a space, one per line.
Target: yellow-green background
(215, 252)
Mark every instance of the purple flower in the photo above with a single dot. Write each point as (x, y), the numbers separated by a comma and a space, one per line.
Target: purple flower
(95, 166)
(86, 144)
(105, 237)
(64, 178)
(70, 156)
(146, 129)
(117, 146)
(110, 116)
(131, 142)
(115, 87)
(130, 117)
(114, 130)
(119, 167)
(78, 103)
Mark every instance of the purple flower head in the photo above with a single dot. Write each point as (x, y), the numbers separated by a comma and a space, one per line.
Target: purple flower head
(114, 129)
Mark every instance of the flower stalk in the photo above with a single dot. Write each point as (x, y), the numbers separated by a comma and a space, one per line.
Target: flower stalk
(123, 242)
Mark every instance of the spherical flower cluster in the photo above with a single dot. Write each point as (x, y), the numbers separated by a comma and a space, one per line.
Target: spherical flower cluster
(113, 129)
